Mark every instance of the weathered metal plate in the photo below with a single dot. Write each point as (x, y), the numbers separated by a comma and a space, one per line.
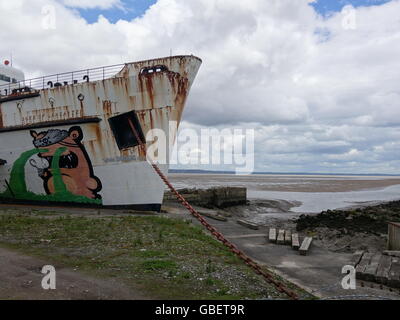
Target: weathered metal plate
(93, 170)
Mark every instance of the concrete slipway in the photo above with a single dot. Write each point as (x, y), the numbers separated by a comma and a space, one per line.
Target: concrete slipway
(320, 272)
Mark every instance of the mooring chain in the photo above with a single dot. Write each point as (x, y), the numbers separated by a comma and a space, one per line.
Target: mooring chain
(219, 236)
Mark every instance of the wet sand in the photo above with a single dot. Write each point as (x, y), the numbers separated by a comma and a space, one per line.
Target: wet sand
(286, 183)
(308, 193)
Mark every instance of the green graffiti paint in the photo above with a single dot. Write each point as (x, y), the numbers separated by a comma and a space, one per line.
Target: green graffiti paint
(61, 194)
(59, 185)
(17, 178)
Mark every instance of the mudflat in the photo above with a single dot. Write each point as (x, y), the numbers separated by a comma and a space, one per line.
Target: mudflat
(286, 183)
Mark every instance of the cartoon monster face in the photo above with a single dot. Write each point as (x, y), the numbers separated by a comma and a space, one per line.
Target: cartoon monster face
(74, 163)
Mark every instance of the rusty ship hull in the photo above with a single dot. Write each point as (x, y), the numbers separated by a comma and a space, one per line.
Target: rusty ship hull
(72, 138)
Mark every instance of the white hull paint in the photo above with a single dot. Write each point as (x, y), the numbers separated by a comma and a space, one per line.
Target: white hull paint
(93, 168)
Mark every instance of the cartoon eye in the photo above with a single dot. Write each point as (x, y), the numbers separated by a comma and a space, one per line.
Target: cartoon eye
(33, 163)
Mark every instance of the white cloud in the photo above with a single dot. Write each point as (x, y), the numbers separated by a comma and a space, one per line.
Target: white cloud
(90, 4)
(311, 88)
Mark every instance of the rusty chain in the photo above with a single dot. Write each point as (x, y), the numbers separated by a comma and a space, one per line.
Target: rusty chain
(250, 262)
(219, 236)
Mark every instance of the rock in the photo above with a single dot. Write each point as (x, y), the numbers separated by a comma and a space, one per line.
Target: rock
(392, 253)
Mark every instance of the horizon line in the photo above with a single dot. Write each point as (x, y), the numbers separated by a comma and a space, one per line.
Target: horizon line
(282, 173)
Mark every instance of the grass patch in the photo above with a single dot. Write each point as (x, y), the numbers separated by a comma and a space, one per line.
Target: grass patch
(153, 265)
(150, 253)
(166, 258)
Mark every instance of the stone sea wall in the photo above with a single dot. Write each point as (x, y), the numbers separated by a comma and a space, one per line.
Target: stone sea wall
(220, 197)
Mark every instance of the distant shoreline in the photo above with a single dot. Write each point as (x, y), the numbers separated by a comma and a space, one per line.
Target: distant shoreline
(316, 193)
(179, 171)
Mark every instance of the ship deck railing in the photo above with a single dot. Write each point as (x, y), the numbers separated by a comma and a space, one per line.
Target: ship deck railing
(59, 80)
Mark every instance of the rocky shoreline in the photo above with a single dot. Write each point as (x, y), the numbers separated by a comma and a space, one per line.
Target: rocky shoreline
(351, 229)
(342, 230)
(370, 219)
(360, 227)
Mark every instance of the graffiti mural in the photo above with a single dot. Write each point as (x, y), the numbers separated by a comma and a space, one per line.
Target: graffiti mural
(62, 163)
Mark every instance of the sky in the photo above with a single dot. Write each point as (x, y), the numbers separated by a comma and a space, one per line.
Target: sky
(329, 7)
(130, 9)
(112, 10)
(318, 81)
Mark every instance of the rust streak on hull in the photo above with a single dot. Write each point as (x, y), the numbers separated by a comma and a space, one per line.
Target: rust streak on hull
(90, 113)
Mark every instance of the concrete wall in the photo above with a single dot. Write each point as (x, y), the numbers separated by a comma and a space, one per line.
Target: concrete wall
(220, 197)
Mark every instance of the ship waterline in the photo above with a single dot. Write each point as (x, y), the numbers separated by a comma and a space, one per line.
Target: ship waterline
(70, 138)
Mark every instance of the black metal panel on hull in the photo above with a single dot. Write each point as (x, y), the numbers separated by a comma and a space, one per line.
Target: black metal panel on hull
(154, 207)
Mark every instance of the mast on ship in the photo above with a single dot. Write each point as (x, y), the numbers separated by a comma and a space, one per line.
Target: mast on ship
(9, 74)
